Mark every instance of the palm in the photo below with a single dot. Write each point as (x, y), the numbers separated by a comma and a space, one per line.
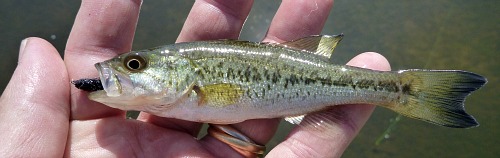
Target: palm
(104, 29)
(123, 138)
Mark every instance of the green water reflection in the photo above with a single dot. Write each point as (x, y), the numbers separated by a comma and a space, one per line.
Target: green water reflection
(411, 34)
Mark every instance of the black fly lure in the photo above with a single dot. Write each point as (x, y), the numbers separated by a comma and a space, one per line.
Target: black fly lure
(88, 84)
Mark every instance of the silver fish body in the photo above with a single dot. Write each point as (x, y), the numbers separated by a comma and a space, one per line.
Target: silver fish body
(228, 81)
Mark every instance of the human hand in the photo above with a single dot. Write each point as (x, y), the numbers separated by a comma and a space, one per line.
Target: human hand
(42, 116)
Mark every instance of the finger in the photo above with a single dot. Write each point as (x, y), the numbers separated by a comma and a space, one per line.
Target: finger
(208, 19)
(215, 19)
(296, 19)
(348, 121)
(189, 127)
(34, 110)
(102, 29)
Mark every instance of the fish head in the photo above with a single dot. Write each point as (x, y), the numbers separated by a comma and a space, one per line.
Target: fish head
(137, 79)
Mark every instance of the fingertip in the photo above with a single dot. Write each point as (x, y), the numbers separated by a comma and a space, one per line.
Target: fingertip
(38, 46)
(41, 65)
(215, 19)
(370, 60)
(297, 19)
(21, 48)
(104, 27)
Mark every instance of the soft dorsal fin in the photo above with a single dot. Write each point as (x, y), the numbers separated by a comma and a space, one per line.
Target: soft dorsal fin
(322, 45)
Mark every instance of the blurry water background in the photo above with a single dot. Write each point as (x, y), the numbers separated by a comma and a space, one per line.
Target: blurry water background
(410, 34)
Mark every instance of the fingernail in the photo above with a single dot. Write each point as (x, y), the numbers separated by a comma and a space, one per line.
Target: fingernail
(21, 48)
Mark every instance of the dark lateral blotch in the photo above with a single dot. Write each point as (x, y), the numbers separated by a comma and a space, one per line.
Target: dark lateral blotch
(88, 84)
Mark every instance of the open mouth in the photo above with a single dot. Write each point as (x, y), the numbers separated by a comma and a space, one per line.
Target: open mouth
(113, 82)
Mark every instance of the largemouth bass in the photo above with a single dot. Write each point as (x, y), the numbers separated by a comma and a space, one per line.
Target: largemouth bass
(230, 81)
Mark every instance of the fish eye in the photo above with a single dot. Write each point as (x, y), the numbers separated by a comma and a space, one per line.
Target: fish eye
(135, 63)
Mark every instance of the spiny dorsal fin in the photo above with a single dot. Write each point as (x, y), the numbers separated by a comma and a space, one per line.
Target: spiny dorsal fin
(322, 45)
(218, 95)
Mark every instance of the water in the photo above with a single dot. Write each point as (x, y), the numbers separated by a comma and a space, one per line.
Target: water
(415, 34)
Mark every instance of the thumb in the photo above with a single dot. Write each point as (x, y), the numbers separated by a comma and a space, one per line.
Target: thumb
(34, 110)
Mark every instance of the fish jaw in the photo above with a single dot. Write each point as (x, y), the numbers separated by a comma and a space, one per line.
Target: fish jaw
(118, 88)
(119, 102)
(102, 97)
(127, 90)
(114, 83)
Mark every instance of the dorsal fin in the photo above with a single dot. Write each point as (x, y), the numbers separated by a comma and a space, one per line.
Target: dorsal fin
(322, 45)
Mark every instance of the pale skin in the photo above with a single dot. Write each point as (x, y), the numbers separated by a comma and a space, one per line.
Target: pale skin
(42, 115)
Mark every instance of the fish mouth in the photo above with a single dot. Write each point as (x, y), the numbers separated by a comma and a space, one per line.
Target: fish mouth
(113, 82)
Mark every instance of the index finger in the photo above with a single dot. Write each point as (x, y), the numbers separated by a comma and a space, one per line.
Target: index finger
(297, 19)
(102, 29)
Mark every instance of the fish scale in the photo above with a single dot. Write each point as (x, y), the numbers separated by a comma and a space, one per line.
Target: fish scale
(290, 85)
(229, 81)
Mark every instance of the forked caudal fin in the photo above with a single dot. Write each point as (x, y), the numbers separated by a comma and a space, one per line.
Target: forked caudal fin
(438, 96)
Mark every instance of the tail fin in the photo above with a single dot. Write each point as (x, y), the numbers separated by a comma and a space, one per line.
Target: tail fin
(438, 96)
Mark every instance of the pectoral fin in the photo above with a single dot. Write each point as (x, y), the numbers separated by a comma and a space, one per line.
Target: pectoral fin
(218, 95)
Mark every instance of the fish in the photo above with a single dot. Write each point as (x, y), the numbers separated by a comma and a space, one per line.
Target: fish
(230, 81)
